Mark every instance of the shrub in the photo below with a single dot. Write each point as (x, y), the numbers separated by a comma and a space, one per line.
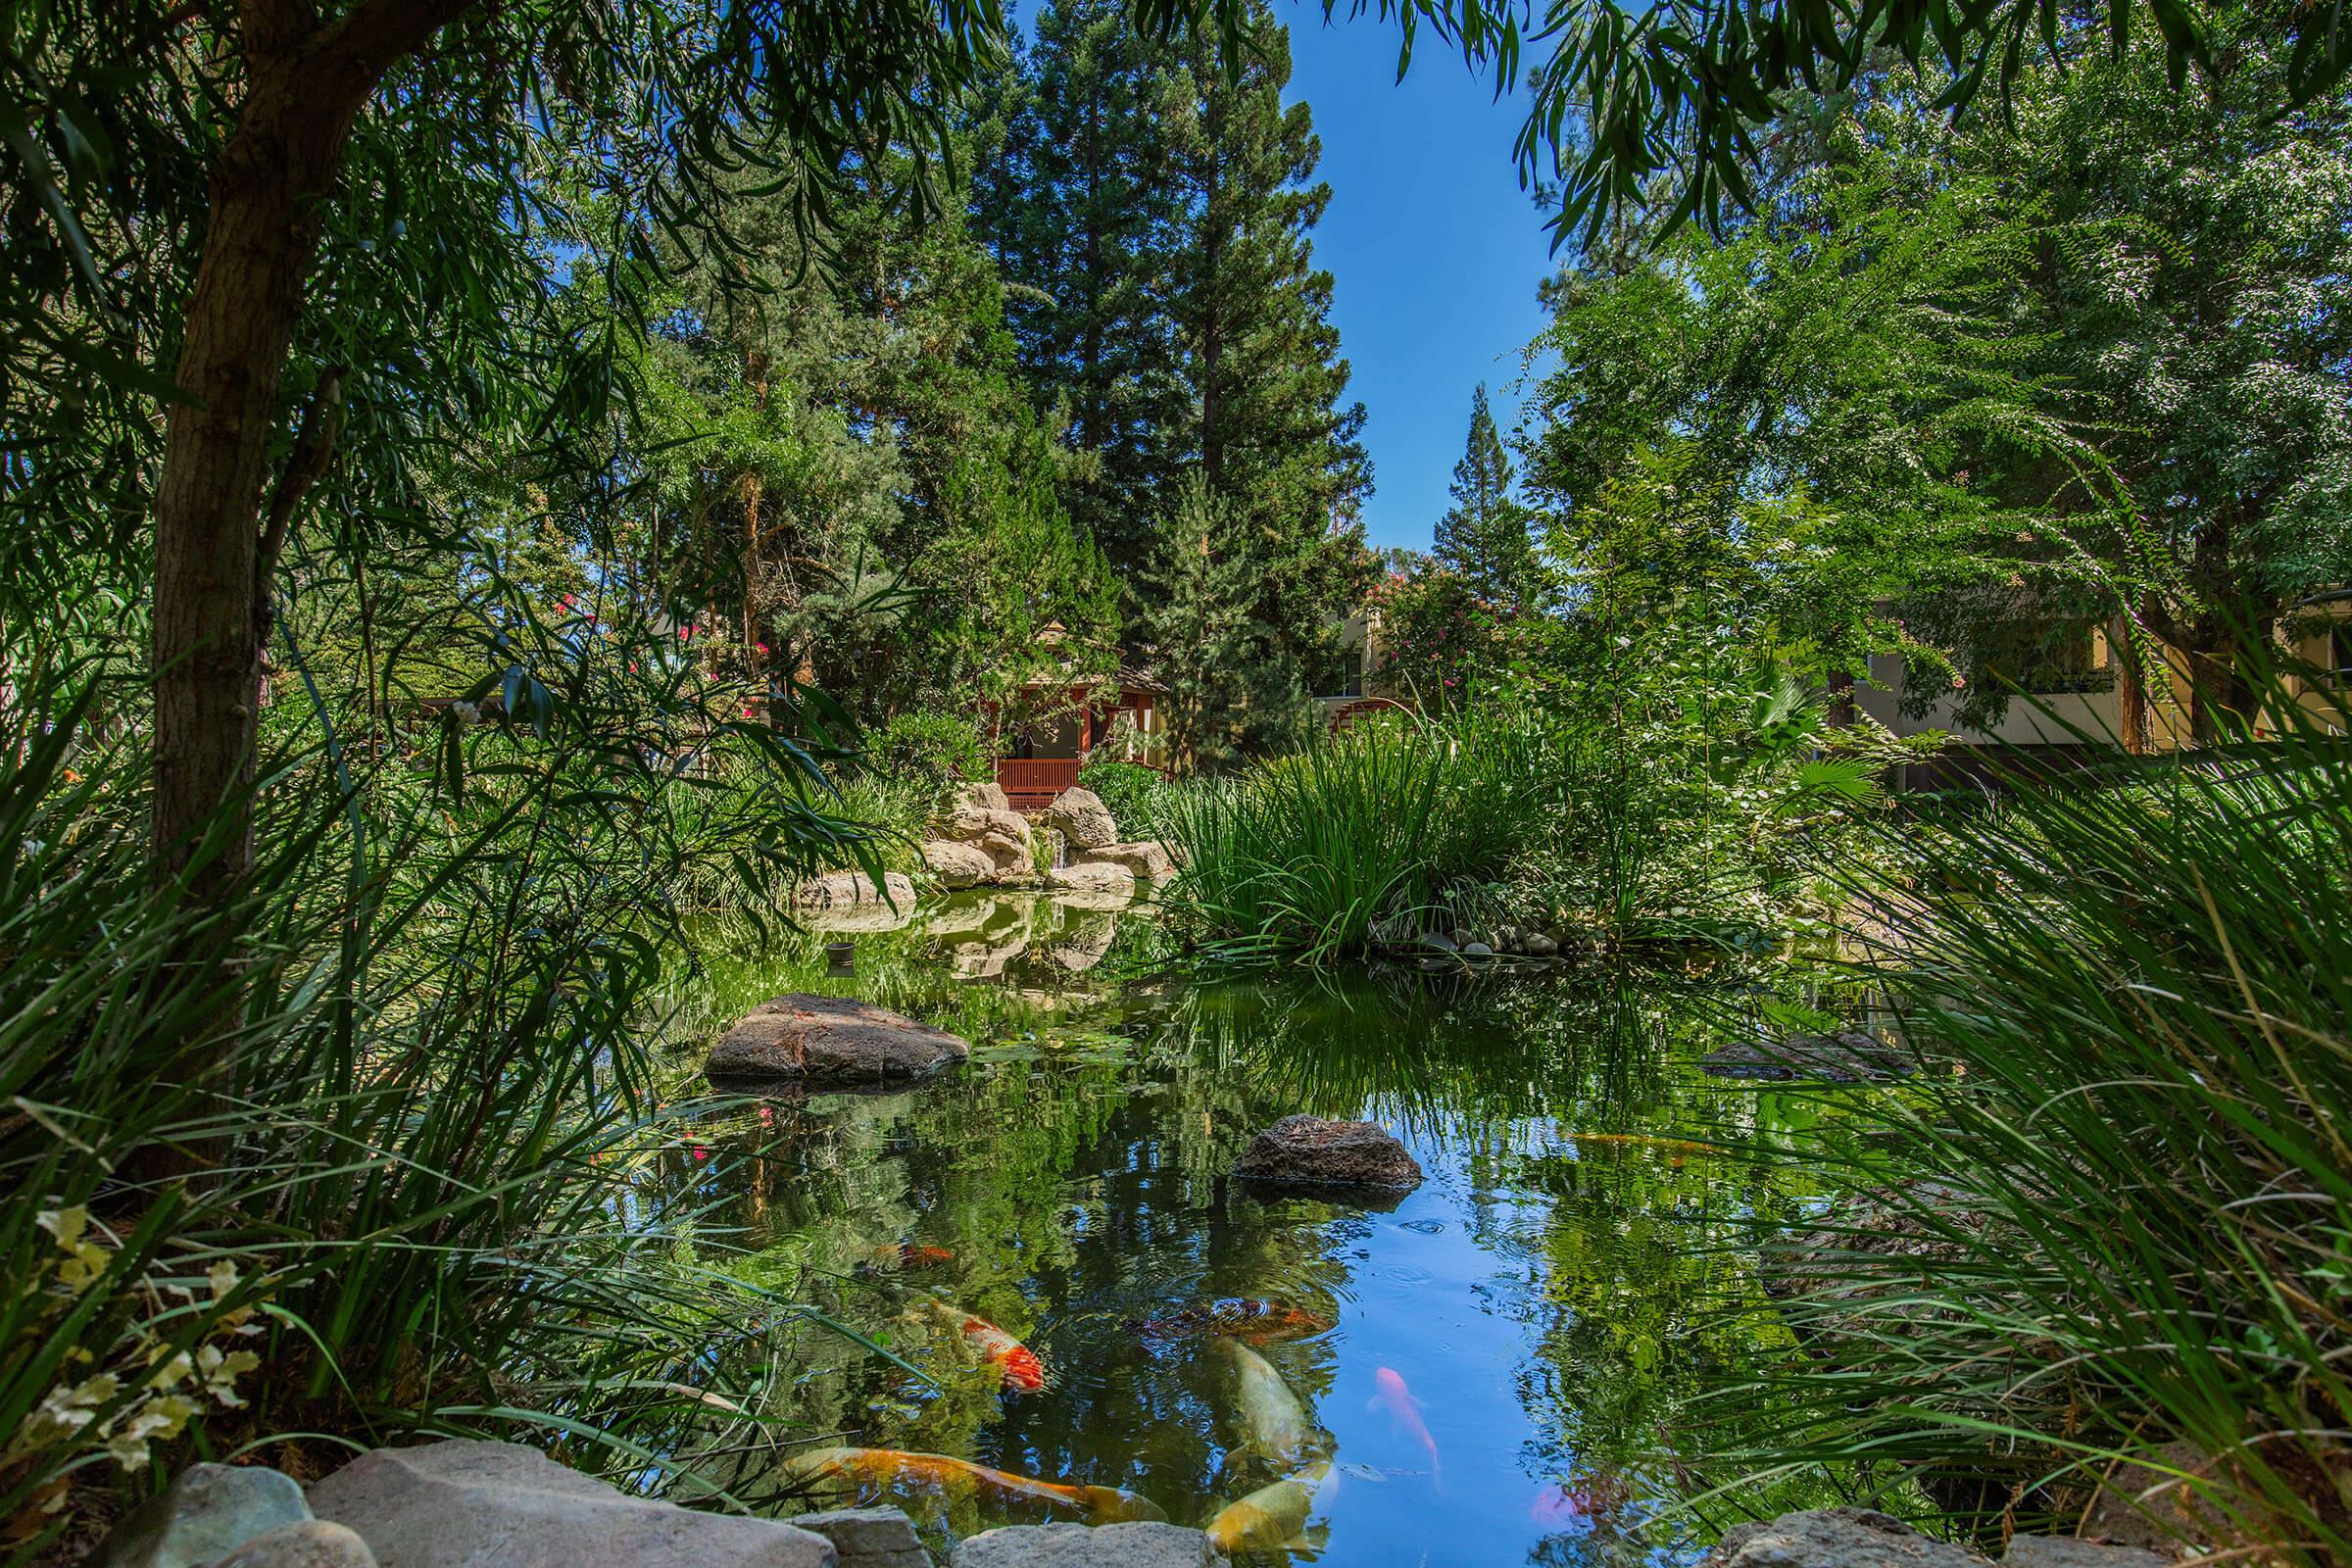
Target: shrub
(1133, 793)
(937, 750)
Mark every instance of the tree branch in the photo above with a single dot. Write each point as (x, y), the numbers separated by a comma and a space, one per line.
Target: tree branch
(313, 453)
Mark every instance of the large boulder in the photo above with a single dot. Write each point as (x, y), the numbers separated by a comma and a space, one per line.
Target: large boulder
(207, 1512)
(1147, 858)
(312, 1544)
(1836, 1537)
(830, 1040)
(1092, 876)
(1068, 1545)
(846, 890)
(958, 865)
(1319, 1152)
(989, 797)
(1083, 820)
(465, 1503)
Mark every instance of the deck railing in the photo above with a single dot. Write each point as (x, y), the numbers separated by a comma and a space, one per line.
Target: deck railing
(1030, 783)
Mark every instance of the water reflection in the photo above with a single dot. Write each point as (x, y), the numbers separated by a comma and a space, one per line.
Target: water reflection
(1511, 1351)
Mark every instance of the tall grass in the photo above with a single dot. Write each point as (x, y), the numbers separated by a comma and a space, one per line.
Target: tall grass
(2113, 1226)
(1305, 855)
(419, 1197)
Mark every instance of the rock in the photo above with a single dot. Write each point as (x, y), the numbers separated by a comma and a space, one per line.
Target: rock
(465, 1503)
(985, 797)
(1477, 949)
(1460, 936)
(868, 1537)
(2064, 1551)
(1084, 820)
(1836, 1537)
(1319, 1152)
(1848, 1058)
(851, 889)
(1127, 1546)
(1435, 942)
(207, 1512)
(1092, 876)
(1540, 946)
(312, 1544)
(958, 865)
(1147, 858)
(830, 1040)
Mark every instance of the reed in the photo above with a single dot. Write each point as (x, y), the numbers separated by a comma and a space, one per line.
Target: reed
(2111, 1226)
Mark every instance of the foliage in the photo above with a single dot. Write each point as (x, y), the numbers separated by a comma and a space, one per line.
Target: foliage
(2123, 1179)
(1132, 790)
(937, 750)
(1441, 642)
(1308, 854)
(411, 1207)
(1484, 535)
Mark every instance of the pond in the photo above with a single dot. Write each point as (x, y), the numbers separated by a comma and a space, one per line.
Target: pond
(1499, 1368)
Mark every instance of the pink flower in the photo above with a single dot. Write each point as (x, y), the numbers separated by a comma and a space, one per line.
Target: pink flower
(762, 646)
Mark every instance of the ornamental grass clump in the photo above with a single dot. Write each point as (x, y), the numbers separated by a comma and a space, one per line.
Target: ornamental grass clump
(2107, 1235)
(1305, 855)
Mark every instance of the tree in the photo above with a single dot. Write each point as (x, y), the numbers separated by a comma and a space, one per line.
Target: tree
(1484, 535)
(1225, 688)
(1074, 199)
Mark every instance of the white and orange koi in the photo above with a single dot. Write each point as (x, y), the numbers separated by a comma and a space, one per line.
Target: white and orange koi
(1271, 1517)
(1015, 1362)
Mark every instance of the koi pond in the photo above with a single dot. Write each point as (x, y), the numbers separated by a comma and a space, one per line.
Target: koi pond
(1497, 1368)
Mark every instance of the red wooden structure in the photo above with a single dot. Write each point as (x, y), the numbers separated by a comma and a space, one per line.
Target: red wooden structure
(1030, 783)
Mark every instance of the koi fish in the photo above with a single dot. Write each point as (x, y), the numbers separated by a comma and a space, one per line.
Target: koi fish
(1279, 1429)
(1240, 1317)
(1400, 1403)
(892, 1470)
(907, 1254)
(1684, 1146)
(1271, 1517)
(1014, 1362)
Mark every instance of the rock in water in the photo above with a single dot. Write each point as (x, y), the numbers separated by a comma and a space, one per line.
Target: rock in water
(471, 1504)
(1849, 1057)
(868, 1537)
(312, 1544)
(204, 1514)
(1316, 1150)
(1092, 876)
(830, 1040)
(1131, 1545)
(1084, 820)
(1836, 1537)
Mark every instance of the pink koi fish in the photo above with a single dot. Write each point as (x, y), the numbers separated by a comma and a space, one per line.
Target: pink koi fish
(1400, 1403)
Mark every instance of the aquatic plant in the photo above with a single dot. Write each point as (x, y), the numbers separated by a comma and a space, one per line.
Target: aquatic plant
(2117, 1231)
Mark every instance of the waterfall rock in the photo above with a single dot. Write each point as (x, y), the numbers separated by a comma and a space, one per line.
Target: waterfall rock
(312, 1544)
(1838, 1538)
(1092, 876)
(1147, 858)
(1084, 820)
(868, 1537)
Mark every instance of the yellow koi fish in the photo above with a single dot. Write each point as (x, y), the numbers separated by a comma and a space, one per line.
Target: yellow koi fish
(875, 1471)
(1279, 1429)
(1271, 1517)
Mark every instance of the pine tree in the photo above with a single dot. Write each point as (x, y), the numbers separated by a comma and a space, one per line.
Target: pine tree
(1073, 199)
(1197, 598)
(1484, 535)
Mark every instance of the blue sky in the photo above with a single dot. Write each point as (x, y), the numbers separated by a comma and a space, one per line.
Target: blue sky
(1434, 250)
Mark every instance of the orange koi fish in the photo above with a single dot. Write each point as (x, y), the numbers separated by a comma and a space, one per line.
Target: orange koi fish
(1236, 1317)
(1400, 1403)
(1014, 1362)
(907, 1254)
(876, 1472)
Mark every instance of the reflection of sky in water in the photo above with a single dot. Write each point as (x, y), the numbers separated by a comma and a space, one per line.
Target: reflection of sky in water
(1548, 1305)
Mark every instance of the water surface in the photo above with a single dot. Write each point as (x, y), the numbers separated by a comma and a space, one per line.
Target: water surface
(1549, 1304)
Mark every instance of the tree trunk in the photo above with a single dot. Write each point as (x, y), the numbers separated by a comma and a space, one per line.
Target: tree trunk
(306, 84)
